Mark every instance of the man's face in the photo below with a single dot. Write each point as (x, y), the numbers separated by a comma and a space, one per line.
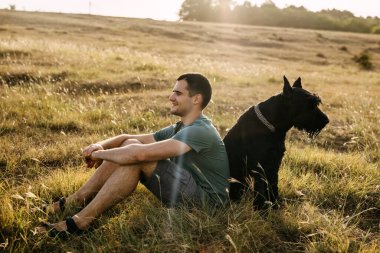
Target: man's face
(181, 101)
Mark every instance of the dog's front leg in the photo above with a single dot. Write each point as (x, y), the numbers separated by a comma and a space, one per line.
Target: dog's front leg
(260, 192)
(265, 174)
(270, 165)
(271, 189)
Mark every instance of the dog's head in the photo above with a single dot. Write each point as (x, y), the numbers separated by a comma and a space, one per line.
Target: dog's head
(303, 108)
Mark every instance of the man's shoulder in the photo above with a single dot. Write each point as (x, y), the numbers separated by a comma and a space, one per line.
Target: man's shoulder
(204, 129)
(203, 122)
(164, 133)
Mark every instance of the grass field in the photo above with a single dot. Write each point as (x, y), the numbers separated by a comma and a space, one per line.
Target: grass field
(69, 80)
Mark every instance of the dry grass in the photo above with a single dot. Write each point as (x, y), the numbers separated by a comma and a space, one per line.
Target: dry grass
(69, 80)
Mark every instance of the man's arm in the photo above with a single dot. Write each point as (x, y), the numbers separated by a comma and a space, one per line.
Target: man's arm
(116, 141)
(113, 142)
(137, 153)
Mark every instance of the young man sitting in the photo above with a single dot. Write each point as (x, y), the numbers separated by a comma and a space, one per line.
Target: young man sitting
(186, 161)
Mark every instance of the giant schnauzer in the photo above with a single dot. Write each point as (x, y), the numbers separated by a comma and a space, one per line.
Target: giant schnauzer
(256, 143)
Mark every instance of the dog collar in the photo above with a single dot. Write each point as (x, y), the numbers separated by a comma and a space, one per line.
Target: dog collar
(263, 119)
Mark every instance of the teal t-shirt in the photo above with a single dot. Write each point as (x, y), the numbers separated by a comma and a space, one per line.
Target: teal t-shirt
(207, 160)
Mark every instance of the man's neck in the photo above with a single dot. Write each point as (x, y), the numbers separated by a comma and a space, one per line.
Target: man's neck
(190, 118)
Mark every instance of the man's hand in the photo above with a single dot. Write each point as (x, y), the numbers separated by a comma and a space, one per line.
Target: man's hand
(87, 152)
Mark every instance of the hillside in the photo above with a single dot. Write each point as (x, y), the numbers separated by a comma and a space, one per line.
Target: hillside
(70, 80)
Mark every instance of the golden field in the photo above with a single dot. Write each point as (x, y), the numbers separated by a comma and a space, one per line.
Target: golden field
(69, 80)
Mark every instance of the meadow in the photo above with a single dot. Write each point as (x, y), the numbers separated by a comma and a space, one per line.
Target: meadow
(70, 80)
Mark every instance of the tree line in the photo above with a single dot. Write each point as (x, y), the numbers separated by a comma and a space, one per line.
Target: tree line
(268, 14)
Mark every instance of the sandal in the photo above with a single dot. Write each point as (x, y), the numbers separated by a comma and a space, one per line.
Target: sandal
(62, 202)
(72, 228)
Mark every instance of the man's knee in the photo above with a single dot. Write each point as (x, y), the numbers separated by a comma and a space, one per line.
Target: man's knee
(129, 142)
(147, 169)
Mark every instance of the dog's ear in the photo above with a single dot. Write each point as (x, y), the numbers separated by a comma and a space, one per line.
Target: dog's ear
(297, 83)
(287, 88)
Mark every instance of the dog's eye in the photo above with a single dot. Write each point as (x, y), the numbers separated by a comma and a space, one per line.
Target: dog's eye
(313, 101)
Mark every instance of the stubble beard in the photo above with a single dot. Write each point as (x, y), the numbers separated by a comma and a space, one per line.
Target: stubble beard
(176, 112)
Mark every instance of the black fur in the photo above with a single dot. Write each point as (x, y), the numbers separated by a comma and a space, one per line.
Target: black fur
(255, 151)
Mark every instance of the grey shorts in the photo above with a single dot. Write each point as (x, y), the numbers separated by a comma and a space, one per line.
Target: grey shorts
(174, 185)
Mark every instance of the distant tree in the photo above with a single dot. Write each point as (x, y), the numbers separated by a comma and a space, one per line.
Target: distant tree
(12, 7)
(242, 13)
(268, 3)
(222, 10)
(268, 14)
(199, 10)
(375, 29)
(337, 13)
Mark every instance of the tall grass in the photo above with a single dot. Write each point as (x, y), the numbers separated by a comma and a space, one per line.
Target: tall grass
(69, 80)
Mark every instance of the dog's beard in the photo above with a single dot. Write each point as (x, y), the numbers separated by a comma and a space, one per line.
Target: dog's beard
(313, 134)
(312, 130)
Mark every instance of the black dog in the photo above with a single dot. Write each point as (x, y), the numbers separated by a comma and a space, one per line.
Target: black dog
(256, 143)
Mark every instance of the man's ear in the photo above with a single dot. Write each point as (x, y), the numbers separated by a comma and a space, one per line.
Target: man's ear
(197, 99)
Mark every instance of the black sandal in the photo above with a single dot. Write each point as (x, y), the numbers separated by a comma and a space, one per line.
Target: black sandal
(62, 202)
(72, 229)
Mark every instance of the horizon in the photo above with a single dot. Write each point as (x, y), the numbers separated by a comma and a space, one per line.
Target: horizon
(169, 9)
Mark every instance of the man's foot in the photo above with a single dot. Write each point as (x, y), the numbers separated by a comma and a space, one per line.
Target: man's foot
(56, 207)
(61, 229)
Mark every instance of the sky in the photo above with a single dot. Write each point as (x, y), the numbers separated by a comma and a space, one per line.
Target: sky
(168, 9)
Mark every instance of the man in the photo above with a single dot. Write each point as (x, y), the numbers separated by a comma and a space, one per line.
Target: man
(197, 170)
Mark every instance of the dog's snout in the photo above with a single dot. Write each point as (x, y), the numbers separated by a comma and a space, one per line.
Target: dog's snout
(326, 120)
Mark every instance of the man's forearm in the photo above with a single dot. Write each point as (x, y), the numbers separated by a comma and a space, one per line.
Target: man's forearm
(122, 155)
(114, 142)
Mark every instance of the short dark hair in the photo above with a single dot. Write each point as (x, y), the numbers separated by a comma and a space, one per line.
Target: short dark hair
(198, 84)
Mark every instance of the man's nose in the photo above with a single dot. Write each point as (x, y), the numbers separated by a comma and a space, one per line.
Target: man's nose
(171, 97)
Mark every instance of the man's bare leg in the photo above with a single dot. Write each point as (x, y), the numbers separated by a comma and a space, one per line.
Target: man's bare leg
(93, 185)
(119, 185)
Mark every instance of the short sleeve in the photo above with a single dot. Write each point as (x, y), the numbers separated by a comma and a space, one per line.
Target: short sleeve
(164, 133)
(197, 138)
